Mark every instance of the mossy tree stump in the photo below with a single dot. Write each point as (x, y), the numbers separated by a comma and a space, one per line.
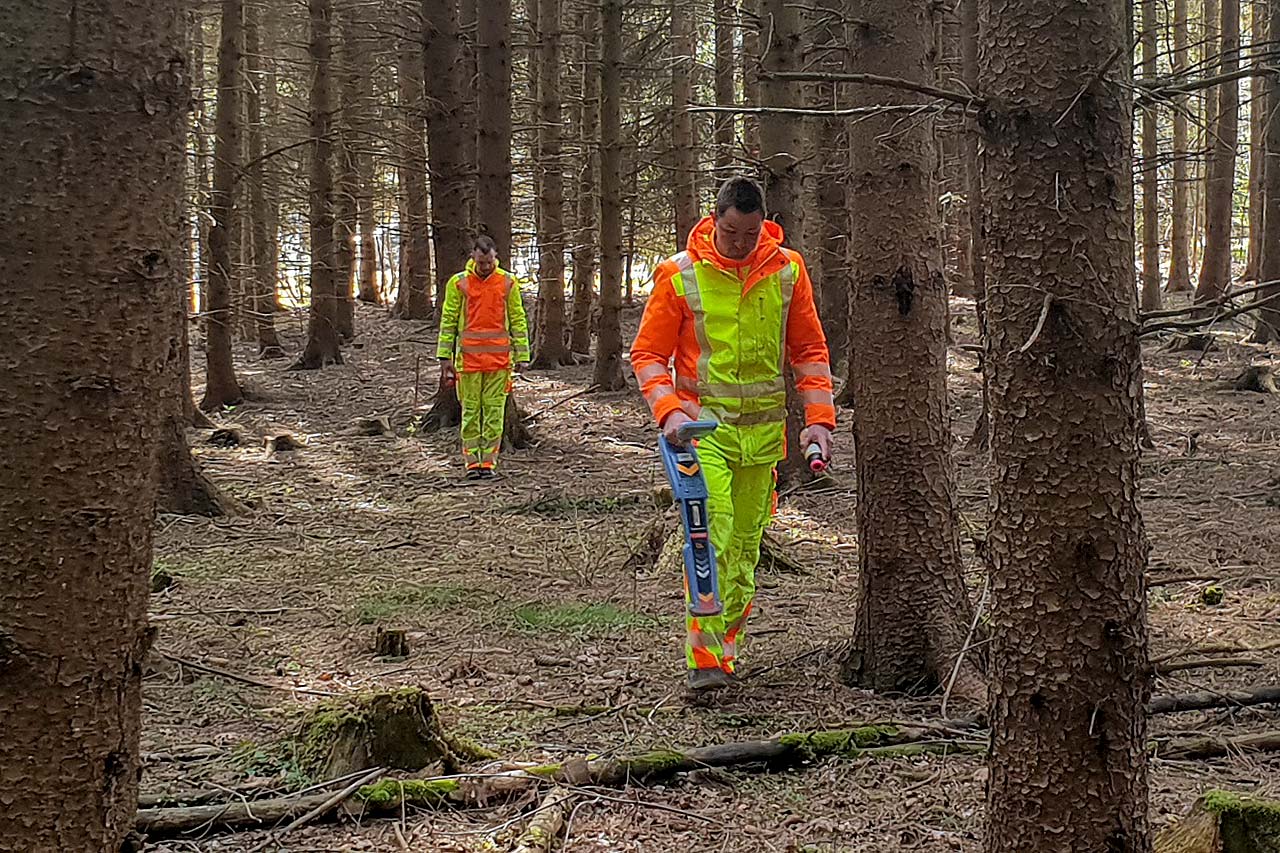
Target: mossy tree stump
(397, 728)
(1223, 822)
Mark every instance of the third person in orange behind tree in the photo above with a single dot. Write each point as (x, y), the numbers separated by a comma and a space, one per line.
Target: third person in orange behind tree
(731, 310)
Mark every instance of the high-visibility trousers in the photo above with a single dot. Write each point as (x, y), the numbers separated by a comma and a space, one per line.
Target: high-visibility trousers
(483, 395)
(739, 507)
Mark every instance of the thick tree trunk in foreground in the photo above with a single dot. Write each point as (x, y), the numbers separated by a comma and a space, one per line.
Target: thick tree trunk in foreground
(913, 610)
(91, 188)
(322, 331)
(1068, 621)
(221, 386)
(608, 367)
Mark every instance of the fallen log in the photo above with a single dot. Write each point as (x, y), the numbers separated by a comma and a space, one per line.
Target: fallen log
(1217, 699)
(1210, 746)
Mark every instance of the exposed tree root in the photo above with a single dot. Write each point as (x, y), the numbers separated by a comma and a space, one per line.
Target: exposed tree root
(1259, 378)
(446, 412)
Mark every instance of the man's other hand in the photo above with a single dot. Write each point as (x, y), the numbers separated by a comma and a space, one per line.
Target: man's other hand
(671, 427)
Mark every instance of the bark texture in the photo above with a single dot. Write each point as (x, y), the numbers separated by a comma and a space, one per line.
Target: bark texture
(1215, 269)
(91, 268)
(263, 199)
(550, 346)
(1268, 328)
(413, 299)
(1066, 546)
(608, 367)
(726, 17)
(913, 611)
(222, 388)
(1180, 222)
(585, 246)
(493, 143)
(322, 331)
(1150, 167)
(682, 144)
(445, 84)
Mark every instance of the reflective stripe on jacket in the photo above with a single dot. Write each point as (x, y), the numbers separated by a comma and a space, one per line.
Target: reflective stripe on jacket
(483, 322)
(731, 337)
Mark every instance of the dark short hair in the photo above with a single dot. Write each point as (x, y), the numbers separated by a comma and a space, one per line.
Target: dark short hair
(740, 192)
(484, 243)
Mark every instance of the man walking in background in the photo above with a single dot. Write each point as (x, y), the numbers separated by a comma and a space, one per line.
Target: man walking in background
(482, 325)
(730, 310)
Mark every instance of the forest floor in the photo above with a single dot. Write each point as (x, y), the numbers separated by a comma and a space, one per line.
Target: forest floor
(517, 597)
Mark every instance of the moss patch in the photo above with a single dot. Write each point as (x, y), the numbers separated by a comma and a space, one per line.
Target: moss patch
(844, 742)
(578, 619)
(385, 605)
(395, 728)
(389, 794)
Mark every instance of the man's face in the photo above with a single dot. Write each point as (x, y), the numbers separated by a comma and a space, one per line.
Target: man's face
(486, 262)
(737, 233)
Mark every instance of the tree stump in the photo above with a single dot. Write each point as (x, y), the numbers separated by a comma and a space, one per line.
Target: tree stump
(380, 425)
(227, 436)
(446, 412)
(397, 728)
(391, 643)
(1223, 822)
(282, 443)
(1259, 378)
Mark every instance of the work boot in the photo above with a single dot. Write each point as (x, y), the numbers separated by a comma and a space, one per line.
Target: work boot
(486, 473)
(474, 473)
(705, 680)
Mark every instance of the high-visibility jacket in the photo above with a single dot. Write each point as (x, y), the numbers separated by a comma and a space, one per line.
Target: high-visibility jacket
(729, 326)
(483, 321)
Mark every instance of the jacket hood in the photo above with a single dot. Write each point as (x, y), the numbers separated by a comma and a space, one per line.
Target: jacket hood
(702, 246)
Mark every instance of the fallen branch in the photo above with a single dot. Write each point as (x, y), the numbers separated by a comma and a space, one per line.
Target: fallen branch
(1203, 663)
(548, 820)
(243, 679)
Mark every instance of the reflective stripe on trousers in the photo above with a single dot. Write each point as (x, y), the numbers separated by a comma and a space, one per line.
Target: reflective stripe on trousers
(483, 395)
(739, 507)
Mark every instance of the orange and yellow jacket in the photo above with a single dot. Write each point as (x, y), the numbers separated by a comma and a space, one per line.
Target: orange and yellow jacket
(727, 327)
(483, 321)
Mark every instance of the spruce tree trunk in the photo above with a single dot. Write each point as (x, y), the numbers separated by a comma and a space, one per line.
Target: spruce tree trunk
(752, 47)
(468, 29)
(585, 246)
(222, 388)
(1150, 167)
(685, 169)
(263, 199)
(974, 206)
(1257, 130)
(829, 258)
(550, 343)
(91, 268)
(346, 210)
(446, 82)
(366, 179)
(1215, 269)
(493, 146)
(322, 331)
(1268, 328)
(913, 610)
(1069, 668)
(413, 299)
(725, 86)
(608, 366)
(1180, 224)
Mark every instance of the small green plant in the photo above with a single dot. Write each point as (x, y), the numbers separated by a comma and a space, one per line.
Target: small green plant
(1212, 595)
(579, 619)
(388, 604)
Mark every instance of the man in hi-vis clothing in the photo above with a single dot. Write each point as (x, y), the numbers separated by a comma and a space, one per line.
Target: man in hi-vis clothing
(481, 324)
(727, 313)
